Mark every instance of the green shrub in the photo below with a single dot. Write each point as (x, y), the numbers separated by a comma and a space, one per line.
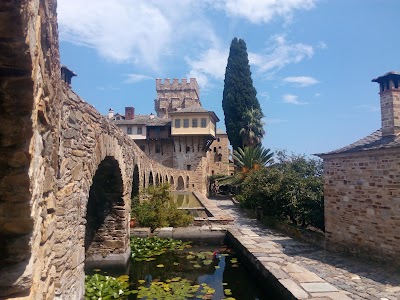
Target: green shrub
(158, 210)
(291, 189)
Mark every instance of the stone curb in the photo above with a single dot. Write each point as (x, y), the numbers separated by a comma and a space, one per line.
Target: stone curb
(291, 280)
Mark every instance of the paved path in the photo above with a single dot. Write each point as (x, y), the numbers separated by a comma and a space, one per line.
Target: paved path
(308, 271)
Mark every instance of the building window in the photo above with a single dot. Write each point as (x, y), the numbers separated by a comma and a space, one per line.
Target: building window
(129, 130)
(142, 147)
(194, 123)
(218, 140)
(187, 149)
(188, 167)
(177, 123)
(203, 122)
(158, 149)
(185, 123)
(139, 130)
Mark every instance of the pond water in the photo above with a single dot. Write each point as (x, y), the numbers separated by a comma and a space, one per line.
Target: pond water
(218, 267)
(188, 202)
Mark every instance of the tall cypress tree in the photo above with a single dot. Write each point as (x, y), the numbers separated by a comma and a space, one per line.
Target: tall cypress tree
(239, 94)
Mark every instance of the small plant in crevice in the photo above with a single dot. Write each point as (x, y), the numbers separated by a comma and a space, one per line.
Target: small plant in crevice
(98, 286)
(157, 209)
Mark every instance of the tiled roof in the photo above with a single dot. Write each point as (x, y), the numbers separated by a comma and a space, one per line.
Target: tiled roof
(144, 120)
(194, 110)
(371, 142)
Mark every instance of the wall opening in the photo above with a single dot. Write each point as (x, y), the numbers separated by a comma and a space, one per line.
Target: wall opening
(135, 182)
(105, 218)
(151, 180)
(180, 185)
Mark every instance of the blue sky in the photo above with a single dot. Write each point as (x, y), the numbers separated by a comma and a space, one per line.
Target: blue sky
(312, 61)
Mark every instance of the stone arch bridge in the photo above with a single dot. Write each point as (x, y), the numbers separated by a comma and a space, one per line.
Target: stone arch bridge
(66, 173)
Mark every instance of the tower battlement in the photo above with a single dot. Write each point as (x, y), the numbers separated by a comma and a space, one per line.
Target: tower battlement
(176, 86)
(175, 95)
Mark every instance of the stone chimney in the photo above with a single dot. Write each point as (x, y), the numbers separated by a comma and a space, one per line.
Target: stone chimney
(67, 74)
(110, 113)
(129, 113)
(390, 103)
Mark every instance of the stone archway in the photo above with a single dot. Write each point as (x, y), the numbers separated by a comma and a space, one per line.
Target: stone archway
(181, 185)
(106, 221)
(157, 180)
(172, 182)
(151, 179)
(187, 182)
(135, 182)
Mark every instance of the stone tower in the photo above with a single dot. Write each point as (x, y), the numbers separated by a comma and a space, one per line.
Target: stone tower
(175, 96)
(390, 103)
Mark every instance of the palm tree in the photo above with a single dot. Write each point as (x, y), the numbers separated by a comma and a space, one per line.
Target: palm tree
(247, 159)
(253, 132)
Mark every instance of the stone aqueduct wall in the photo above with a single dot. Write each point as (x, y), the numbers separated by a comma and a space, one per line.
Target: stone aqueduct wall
(51, 146)
(362, 203)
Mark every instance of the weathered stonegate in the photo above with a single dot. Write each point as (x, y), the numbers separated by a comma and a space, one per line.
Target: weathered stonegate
(66, 173)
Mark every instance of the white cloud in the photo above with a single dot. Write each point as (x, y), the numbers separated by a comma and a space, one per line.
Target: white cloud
(150, 32)
(301, 81)
(292, 99)
(133, 78)
(141, 31)
(281, 54)
(262, 11)
(211, 63)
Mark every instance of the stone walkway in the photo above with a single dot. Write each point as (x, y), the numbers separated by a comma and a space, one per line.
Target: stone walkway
(307, 271)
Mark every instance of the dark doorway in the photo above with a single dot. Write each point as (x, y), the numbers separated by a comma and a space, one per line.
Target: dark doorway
(135, 182)
(105, 203)
(181, 185)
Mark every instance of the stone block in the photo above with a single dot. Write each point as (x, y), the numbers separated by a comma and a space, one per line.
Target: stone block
(294, 289)
(318, 287)
(306, 277)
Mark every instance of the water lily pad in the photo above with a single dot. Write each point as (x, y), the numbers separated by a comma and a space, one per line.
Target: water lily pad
(207, 262)
(227, 292)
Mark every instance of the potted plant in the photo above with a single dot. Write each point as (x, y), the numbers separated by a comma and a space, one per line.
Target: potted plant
(132, 222)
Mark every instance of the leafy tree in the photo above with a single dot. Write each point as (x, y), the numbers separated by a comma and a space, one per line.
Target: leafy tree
(253, 132)
(239, 94)
(247, 159)
(291, 189)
